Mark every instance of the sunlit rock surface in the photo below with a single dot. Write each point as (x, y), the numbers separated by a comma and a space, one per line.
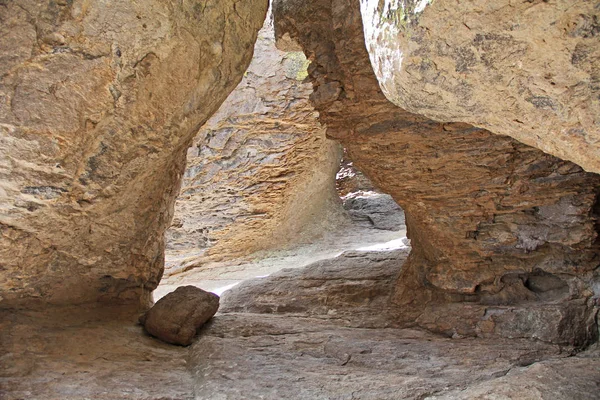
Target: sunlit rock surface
(529, 69)
(261, 174)
(99, 102)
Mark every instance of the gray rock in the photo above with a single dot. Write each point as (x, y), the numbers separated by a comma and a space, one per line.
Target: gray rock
(379, 211)
(176, 317)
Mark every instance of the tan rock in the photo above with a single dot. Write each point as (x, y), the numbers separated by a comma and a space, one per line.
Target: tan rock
(260, 174)
(528, 69)
(485, 213)
(98, 104)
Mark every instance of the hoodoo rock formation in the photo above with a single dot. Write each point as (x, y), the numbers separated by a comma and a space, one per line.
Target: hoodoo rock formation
(504, 236)
(99, 102)
(261, 174)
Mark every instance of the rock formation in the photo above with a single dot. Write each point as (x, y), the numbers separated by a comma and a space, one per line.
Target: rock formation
(488, 217)
(529, 70)
(260, 174)
(99, 102)
(351, 180)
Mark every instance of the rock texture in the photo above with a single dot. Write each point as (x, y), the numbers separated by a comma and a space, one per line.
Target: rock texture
(351, 180)
(261, 174)
(312, 334)
(177, 317)
(349, 287)
(74, 353)
(529, 70)
(99, 102)
(374, 209)
(488, 217)
(309, 333)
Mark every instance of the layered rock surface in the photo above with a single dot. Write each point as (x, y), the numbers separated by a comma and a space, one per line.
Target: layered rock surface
(261, 174)
(99, 102)
(328, 331)
(488, 217)
(529, 70)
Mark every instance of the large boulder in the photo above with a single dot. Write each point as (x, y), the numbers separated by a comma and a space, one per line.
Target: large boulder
(99, 101)
(177, 317)
(528, 69)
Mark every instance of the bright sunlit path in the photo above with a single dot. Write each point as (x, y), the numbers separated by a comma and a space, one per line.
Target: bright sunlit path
(395, 244)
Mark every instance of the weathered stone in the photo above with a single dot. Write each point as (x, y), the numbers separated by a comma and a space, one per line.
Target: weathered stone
(96, 352)
(351, 180)
(177, 317)
(356, 287)
(529, 70)
(479, 207)
(260, 174)
(99, 102)
(574, 378)
(376, 209)
(316, 333)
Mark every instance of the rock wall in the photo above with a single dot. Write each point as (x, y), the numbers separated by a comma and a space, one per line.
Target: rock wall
(261, 174)
(504, 236)
(529, 70)
(99, 102)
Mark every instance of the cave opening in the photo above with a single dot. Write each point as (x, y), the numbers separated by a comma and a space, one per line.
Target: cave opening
(264, 189)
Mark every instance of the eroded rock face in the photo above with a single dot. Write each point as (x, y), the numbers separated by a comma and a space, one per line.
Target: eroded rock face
(486, 214)
(177, 317)
(261, 174)
(529, 70)
(377, 210)
(99, 102)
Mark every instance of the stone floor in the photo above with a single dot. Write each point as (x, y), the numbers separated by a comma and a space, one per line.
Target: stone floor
(319, 332)
(250, 356)
(87, 353)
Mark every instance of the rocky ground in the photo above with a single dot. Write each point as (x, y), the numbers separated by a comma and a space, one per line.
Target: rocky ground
(319, 332)
(370, 220)
(87, 353)
(326, 332)
(313, 322)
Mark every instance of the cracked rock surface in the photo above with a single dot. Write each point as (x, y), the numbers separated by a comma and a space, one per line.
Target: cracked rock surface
(311, 334)
(527, 69)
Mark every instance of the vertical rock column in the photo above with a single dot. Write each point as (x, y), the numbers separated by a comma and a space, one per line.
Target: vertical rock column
(504, 236)
(98, 104)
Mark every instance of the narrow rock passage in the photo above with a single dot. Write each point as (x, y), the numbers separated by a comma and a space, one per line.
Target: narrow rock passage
(220, 276)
